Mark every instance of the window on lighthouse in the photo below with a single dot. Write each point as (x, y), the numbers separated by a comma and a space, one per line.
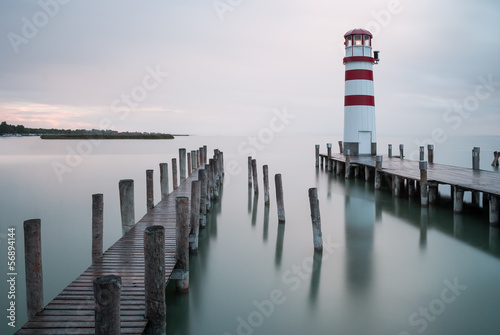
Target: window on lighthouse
(357, 40)
(349, 41)
(367, 40)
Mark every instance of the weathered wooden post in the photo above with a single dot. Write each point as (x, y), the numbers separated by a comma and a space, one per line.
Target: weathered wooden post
(389, 150)
(182, 164)
(411, 188)
(367, 173)
(149, 190)
(33, 266)
(401, 151)
(347, 167)
(194, 160)
(316, 153)
(424, 200)
(215, 185)
(107, 291)
(164, 180)
(182, 240)
(202, 177)
(341, 149)
(97, 226)
(207, 187)
(329, 159)
(205, 154)
(188, 164)
(174, 173)
(493, 210)
(378, 175)
(279, 198)
(430, 153)
(266, 184)
(249, 170)
(127, 208)
(338, 168)
(458, 199)
(254, 172)
(475, 158)
(421, 153)
(396, 186)
(433, 193)
(210, 181)
(154, 279)
(195, 216)
(222, 165)
(316, 219)
(496, 155)
(198, 158)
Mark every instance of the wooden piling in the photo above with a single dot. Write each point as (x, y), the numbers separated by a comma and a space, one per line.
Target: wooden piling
(401, 151)
(195, 216)
(378, 174)
(211, 179)
(107, 291)
(411, 188)
(341, 148)
(279, 198)
(154, 279)
(389, 150)
(174, 173)
(194, 161)
(249, 170)
(424, 197)
(367, 173)
(182, 164)
(254, 173)
(433, 193)
(97, 226)
(493, 210)
(316, 219)
(202, 177)
(430, 153)
(396, 186)
(496, 156)
(33, 266)
(458, 199)
(164, 180)
(316, 153)
(198, 158)
(421, 153)
(221, 158)
(182, 241)
(127, 207)
(189, 164)
(329, 159)
(266, 184)
(149, 190)
(475, 158)
(215, 186)
(347, 168)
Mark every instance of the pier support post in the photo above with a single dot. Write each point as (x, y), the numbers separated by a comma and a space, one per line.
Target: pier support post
(338, 168)
(367, 173)
(475, 158)
(401, 151)
(149, 190)
(202, 177)
(198, 157)
(316, 220)
(389, 150)
(433, 192)
(316, 153)
(182, 164)
(195, 216)
(322, 161)
(174, 173)
(279, 198)
(194, 160)
(396, 186)
(347, 171)
(493, 210)
(458, 199)
(97, 226)
(411, 188)
(329, 159)
(205, 156)
(254, 173)
(496, 156)
(107, 291)
(421, 156)
(154, 279)
(266, 184)
(249, 171)
(33, 266)
(164, 180)
(341, 147)
(127, 208)
(182, 241)
(424, 197)
(430, 153)
(189, 164)
(213, 182)
(378, 176)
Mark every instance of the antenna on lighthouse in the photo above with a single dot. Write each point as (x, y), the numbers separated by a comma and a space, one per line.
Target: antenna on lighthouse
(375, 56)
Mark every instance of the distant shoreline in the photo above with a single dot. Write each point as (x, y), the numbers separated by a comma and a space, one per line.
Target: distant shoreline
(107, 137)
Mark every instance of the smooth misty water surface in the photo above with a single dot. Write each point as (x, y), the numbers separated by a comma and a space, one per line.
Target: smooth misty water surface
(388, 266)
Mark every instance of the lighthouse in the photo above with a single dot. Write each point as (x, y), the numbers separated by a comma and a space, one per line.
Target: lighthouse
(359, 102)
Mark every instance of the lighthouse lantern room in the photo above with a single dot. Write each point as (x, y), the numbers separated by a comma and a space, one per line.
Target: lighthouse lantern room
(359, 102)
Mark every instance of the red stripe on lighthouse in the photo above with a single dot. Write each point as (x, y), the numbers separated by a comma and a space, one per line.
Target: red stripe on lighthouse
(359, 100)
(359, 59)
(359, 74)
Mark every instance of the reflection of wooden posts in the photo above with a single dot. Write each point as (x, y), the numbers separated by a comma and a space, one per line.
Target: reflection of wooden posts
(97, 226)
(424, 199)
(174, 173)
(195, 216)
(127, 204)
(496, 156)
(182, 241)
(107, 291)
(421, 153)
(430, 153)
(401, 151)
(389, 150)
(249, 170)
(475, 158)
(182, 164)
(279, 198)
(254, 173)
(266, 184)
(33, 266)
(493, 210)
(164, 180)
(316, 219)
(202, 177)
(316, 153)
(378, 174)
(341, 149)
(149, 190)
(329, 159)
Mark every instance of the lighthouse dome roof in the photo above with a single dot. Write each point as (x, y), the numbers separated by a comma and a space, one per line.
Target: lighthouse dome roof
(358, 31)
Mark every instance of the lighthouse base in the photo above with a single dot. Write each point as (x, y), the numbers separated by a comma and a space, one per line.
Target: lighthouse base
(355, 149)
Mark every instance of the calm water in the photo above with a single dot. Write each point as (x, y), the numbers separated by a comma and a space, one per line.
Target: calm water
(388, 267)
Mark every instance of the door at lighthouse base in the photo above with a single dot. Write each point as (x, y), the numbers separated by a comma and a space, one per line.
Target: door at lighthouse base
(365, 142)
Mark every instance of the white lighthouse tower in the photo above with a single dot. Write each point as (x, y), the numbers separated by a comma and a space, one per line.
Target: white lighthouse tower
(359, 103)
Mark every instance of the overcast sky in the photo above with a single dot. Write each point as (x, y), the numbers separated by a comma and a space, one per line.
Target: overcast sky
(222, 67)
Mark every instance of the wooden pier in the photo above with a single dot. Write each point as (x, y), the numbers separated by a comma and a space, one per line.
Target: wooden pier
(404, 178)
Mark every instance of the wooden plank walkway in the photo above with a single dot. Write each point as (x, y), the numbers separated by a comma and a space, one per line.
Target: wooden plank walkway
(72, 311)
(466, 178)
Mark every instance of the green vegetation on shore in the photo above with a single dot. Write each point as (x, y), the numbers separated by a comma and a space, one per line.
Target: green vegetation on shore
(68, 134)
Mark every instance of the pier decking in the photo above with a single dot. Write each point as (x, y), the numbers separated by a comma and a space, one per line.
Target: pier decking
(72, 311)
